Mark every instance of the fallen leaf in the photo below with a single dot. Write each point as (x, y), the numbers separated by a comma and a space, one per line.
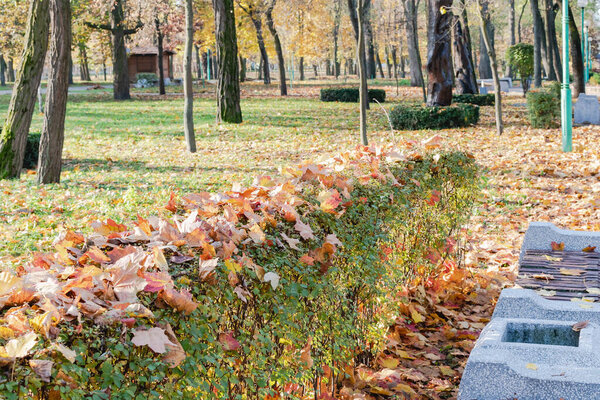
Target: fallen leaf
(571, 272)
(42, 368)
(228, 342)
(532, 366)
(558, 246)
(272, 278)
(589, 249)
(154, 338)
(580, 325)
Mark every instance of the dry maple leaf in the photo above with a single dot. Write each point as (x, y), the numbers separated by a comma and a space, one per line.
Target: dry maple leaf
(304, 230)
(180, 301)
(42, 368)
(589, 249)
(154, 338)
(175, 352)
(558, 246)
(291, 242)
(571, 272)
(228, 342)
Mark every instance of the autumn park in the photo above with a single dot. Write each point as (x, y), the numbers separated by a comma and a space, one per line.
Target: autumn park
(299, 199)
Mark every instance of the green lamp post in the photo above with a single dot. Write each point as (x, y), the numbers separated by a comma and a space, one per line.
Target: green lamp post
(586, 55)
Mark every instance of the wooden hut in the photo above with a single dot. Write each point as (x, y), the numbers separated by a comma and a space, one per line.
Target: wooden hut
(145, 59)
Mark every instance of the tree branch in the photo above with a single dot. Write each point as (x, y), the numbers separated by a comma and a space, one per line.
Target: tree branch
(133, 30)
(105, 27)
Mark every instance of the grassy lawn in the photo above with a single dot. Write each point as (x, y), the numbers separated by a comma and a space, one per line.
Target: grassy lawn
(124, 158)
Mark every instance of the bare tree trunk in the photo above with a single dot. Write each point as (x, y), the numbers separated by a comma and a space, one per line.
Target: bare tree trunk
(379, 65)
(301, 68)
(511, 32)
(484, 20)
(371, 62)
(199, 69)
(161, 69)
(242, 69)
(13, 137)
(278, 49)
(551, 38)
(414, 56)
(439, 61)
(388, 62)
(2, 71)
(464, 71)
(256, 19)
(11, 70)
(188, 88)
(228, 85)
(356, 25)
(336, 33)
(362, 69)
(520, 19)
(315, 70)
(485, 65)
(538, 40)
(576, 56)
(53, 131)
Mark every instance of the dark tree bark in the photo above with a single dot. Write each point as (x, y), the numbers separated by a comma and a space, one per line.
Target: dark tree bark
(485, 66)
(11, 70)
(464, 72)
(370, 45)
(352, 9)
(362, 69)
(336, 33)
(228, 85)
(188, 83)
(412, 35)
(2, 71)
(13, 137)
(379, 65)
(118, 33)
(484, 19)
(388, 62)
(439, 64)
(70, 69)
(301, 68)
(538, 41)
(256, 18)
(278, 49)
(242, 69)
(576, 56)
(199, 72)
(551, 39)
(520, 19)
(315, 70)
(358, 26)
(161, 70)
(53, 131)
(84, 69)
(512, 39)
(395, 61)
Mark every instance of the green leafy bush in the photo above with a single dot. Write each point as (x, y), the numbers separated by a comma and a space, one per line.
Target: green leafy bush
(241, 294)
(422, 117)
(543, 107)
(147, 76)
(476, 99)
(520, 57)
(350, 95)
(594, 79)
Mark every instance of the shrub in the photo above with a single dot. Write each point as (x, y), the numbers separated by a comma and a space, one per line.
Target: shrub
(594, 79)
(543, 107)
(422, 117)
(350, 95)
(476, 99)
(520, 57)
(147, 76)
(240, 294)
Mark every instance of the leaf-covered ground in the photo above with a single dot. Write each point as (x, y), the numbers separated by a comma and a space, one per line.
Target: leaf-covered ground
(124, 158)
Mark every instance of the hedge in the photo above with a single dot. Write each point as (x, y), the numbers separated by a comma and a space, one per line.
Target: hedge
(350, 95)
(476, 99)
(272, 289)
(421, 117)
(543, 107)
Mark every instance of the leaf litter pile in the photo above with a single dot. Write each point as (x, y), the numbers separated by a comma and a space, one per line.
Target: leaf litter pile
(529, 179)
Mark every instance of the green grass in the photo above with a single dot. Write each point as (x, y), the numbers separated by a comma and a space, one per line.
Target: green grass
(124, 158)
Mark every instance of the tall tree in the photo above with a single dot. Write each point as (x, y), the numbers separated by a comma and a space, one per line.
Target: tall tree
(462, 56)
(254, 11)
(362, 70)
(188, 82)
(576, 56)
(118, 32)
(484, 20)
(439, 61)
(551, 38)
(53, 130)
(369, 42)
(485, 65)
(336, 33)
(278, 49)
(356, 26)
(539, 41)
(228, 85)
(2, 71)
(512, 34)
(412, 35)
(13, 137)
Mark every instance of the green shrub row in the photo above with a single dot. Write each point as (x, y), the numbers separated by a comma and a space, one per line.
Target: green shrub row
(418, 117)
(476, 99)
(543, 107)
(350, 95)
(149, 77)
(274, 305)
